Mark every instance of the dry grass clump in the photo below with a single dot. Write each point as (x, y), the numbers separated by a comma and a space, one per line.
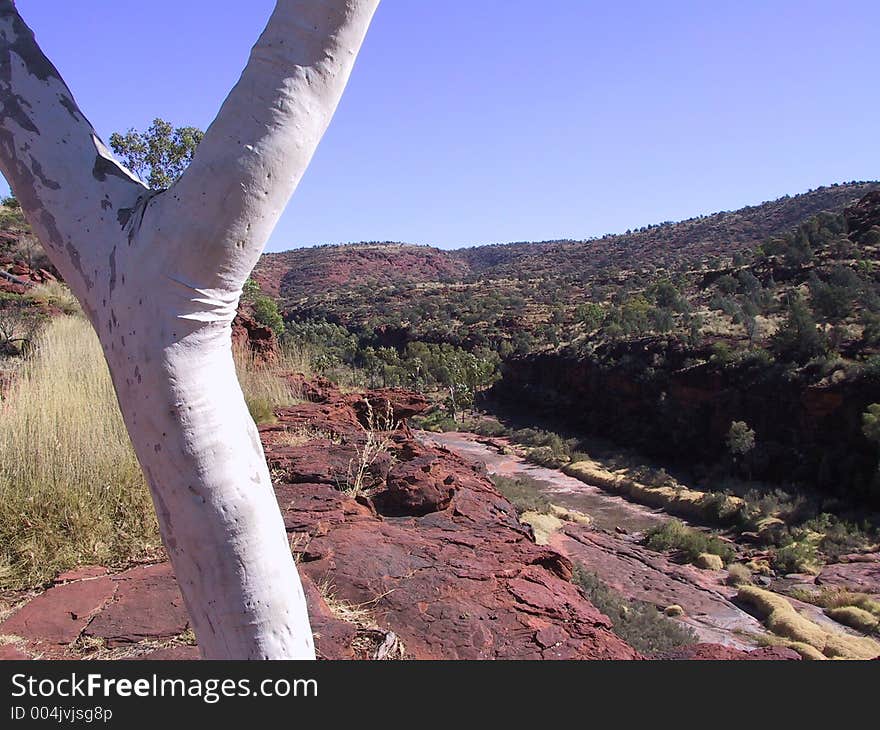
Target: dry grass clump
(71, 489)
(377, 442)
(353, 613)
(265, 386)
(781, 618)
(543, 525)
(672, 497)
(305, 435)
(854, 617)
(738, 574)
(832, 598)
(54, 294)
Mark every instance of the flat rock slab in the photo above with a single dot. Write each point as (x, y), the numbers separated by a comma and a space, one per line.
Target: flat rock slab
(147, 605)
(81, 573)
(59, 615)
(863, 575)
(719, 652)
(178, 653)
(10, 652)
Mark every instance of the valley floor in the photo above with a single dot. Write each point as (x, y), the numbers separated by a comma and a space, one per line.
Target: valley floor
(609, 546)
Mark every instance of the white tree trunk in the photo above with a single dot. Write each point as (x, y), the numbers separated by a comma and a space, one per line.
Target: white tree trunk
(160, 275)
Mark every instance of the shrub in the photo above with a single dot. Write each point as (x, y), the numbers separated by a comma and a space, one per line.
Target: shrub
(523, 493)
(740, 438)
(266, 312)
(796, 557)
(674, 535)
(489, 428)
(638, 623)
(798, 339)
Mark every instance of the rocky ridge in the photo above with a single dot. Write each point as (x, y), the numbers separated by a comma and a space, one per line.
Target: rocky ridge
(424, 560)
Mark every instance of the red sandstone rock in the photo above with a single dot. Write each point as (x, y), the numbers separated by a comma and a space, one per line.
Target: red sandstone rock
(253, 337)
(716, 652)
(60, 614)
(419, 483)
(862, 575)
(459, 577)
(147, 604)
(81, 573)
(387, 406)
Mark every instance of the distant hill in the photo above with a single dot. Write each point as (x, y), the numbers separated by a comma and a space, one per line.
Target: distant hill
(306, 272)
(303, 272)
(668, 245)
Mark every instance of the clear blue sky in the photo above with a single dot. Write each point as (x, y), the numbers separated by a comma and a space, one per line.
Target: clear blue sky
(483, 121)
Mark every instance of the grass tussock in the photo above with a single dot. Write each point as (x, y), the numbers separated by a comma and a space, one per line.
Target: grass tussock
(265, 385)
(56, 295)
(785, 622)
(854, 617)
(71, 489)
(544, 526)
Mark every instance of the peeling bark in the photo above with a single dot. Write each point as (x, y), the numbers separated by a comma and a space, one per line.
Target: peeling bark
(160, 275)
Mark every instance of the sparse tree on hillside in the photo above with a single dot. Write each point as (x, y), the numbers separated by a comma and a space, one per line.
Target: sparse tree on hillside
(740, 441)
(159, 275)
(799, 339)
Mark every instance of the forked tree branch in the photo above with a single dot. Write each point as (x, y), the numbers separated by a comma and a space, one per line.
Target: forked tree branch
(257, 149)
(68, 183)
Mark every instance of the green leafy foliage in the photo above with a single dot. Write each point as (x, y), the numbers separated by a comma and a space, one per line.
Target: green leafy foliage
(799, 339)
(740, 438)
(266, 312)
(688, 542)
(159, 154)
(638, 623)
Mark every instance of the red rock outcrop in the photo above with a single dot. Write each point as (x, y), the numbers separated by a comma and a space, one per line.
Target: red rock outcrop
(719, 652)
(451, 575)
(255, 338)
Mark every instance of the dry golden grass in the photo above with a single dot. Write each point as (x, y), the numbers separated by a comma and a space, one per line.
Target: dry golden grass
(854, 617)
(353, 613)
(305, 435)
(265, 387)
(781, 618)
(832, 597)
(71, 489)
(543, 525)
(54, 294)
(676, 499)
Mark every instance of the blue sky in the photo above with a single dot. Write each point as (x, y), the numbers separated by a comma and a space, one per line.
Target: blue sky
(485, 121)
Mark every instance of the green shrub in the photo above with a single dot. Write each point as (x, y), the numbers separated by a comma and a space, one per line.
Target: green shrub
(266, 312)
(796, 557)
(489, 428)
(523, 493)
(638, 623)
(688, 542)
